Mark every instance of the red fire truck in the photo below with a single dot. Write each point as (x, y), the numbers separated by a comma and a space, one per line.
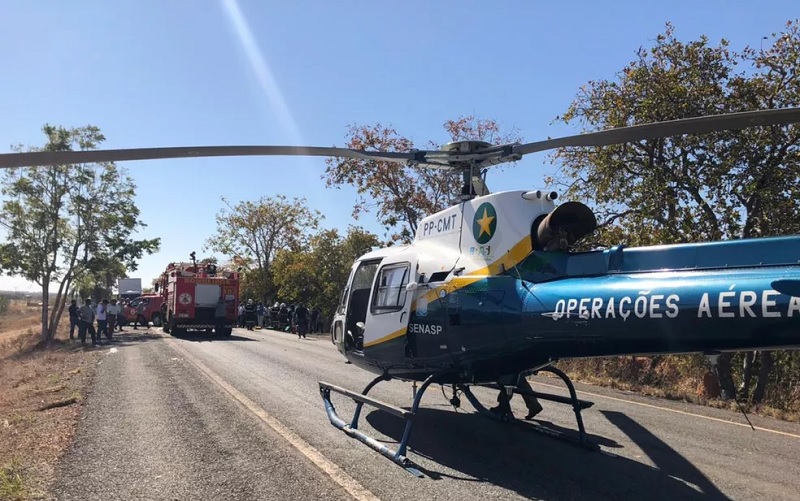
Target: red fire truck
(190, 293)
(152, 309)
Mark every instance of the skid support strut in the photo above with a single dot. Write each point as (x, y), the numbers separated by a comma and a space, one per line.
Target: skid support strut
(577, 407)
(397, 456)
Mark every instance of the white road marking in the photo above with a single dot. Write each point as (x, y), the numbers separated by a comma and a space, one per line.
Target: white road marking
(348, 483)
(674, 410)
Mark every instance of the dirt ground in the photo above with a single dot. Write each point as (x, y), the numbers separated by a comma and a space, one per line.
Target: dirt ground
(41, 392)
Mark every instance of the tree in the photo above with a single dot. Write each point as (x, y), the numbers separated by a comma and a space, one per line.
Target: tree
(318, 275)
(68, 221)
(403, 195)
(97, 276)
(251, 233)
(731, 184)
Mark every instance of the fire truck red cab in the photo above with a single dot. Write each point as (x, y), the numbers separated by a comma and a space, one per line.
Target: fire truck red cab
(152, 309)
(190, 294)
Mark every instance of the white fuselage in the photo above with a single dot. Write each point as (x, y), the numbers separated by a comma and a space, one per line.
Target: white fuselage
(481, 237)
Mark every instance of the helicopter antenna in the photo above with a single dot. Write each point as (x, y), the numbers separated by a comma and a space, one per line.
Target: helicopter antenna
(713, 358)
(743, 412)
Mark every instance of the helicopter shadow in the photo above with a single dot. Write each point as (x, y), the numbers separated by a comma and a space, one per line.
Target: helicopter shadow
(571, 433)
(541, 467)
(670, 462)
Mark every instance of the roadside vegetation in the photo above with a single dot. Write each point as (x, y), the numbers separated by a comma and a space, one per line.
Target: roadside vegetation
(42, 388)
(688, 378)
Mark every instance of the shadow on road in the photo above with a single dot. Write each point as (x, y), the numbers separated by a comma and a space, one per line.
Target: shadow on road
(540, 467)
(124, 338)
(202, 337)
(666, 458)
(317, 336)
(572, 433)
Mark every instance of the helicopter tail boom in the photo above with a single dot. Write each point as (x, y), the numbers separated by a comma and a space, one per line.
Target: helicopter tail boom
(714, 297)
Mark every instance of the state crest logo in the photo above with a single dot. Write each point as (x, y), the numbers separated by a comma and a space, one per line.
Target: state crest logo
(484, 223)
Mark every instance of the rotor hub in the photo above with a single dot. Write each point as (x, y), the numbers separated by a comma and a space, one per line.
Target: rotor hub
(465, 146)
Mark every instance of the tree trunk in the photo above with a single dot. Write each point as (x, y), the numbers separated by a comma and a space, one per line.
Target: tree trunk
(45, 311)
(725, 378)
(763, 377)
(747, 373)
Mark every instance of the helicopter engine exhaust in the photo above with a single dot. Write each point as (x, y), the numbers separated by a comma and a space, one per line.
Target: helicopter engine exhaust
(563, 226)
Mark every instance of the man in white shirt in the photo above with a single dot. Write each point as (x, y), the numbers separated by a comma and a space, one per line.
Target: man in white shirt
(102, 320)
(114, 315)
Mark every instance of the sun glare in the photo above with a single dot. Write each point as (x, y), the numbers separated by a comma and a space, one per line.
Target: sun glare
(262, 70)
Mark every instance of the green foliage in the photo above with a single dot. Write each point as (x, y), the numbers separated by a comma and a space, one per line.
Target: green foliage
(12, 482)
(722, 185)
(252, 233)
(68, 222)
(728, 184)
(97, 276)
(399, 194)
(318, 275)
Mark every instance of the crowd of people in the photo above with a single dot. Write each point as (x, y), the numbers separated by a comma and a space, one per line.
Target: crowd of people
(101, 319)
(299, 319)
(107, 315)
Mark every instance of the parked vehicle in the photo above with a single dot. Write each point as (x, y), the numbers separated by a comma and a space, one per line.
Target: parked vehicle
(190, 292)
(129, 288)
(152, 310)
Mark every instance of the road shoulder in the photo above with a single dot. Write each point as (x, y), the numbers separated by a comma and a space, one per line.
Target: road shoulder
(42, 391)
(154, 427)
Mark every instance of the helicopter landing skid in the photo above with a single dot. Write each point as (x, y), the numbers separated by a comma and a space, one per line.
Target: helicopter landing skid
(397, 456)
(577, 407)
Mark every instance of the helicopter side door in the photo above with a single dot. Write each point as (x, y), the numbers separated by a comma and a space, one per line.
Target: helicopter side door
(390, 308)
(346, 333)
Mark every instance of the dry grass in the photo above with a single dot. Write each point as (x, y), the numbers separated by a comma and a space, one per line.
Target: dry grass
(666, 381)
(17, 321)
(41, 391)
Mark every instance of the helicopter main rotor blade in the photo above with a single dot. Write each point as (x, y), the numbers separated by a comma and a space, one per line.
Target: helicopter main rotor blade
(698, 125)
(38, 158)
(426, 158)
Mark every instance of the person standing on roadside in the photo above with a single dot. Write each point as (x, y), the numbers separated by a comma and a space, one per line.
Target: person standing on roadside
(102, 320)
(531, 402)
(140, 318)
(220, 316)
(74, 320)
(114, 316)
(260, 311)
(86, 317)
(301, 320)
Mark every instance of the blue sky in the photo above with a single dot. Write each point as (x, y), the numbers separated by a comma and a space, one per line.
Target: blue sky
(206, 72)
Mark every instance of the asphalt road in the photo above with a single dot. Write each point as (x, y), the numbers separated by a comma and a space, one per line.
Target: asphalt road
(241, 418)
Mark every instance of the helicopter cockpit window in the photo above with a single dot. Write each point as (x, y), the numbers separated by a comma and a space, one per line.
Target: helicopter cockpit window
(364, 275)
(390, 293)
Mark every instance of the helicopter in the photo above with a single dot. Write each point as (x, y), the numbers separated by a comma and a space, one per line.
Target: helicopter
(491, 289)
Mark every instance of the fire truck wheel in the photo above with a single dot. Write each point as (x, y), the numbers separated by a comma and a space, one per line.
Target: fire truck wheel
(156, 320)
